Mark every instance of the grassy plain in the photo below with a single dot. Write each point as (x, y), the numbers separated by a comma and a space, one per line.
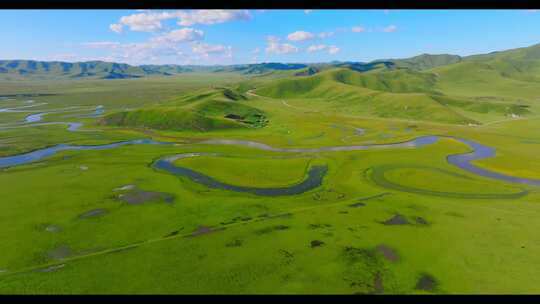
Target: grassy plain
(353, 234)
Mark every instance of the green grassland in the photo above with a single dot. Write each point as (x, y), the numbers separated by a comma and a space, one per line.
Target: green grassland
(207, 111)
(383, 220)
(263, 172)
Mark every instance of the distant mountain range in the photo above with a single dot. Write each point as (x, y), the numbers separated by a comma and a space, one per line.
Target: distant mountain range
(41, 70)
(23, 69)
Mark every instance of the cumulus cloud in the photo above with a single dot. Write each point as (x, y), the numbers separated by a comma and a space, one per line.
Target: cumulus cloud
(182, 46)
(102, 45)
(323, 35)
(316, 48)
(182, 35)
(390, 29)
(148, 21)
(300, 36)
(358, 29)
(211, 16)
(117, 28)
(303, 35)
(142, 22)
(274, 46)
(205, 49)
(165, 45)
(138, 53)
(331, 49)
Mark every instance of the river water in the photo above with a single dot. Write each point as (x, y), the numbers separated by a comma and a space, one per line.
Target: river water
(315, 174)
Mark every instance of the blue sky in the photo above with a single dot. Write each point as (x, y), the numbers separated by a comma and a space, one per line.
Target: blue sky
(247, 36)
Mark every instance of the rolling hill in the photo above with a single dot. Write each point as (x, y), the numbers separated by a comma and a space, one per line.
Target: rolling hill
(398, 93)
(443, 88)
(522, 64)
(425, 61)
(42, 70)
(203, 111)
(20, 69)
(508, 74)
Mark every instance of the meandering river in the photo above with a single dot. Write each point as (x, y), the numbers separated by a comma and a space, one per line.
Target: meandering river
(480, 151)
(314, 176)
(313, 180)
(33, 120)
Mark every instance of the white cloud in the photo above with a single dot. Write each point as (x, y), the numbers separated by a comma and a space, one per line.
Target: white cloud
(333, 49)
(77, 58)
(272, 39)
(105, 58)
(307, 11)
(390, 29)
(316, 48)
(211, 16)
(63, 57)
(102, 45)
(256, 51)
(168, 45)
(182, 35)
(323, 35)
(142, 22)
(138, 53)
(147, 21)
(205, 49)
(273, 46)
(300, 36)
(117, 28)
(358, 29)
(181, 46)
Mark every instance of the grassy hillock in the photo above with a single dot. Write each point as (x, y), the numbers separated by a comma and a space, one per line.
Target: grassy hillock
(30, 69)
(51, 70)
(397, 81)
(203, 115)
(426, 61)
(399, 93)
(415, 106)
(513, 74)
(484, 107)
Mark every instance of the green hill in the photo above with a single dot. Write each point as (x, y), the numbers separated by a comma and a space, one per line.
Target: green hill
(520, 64)
(21, 69)
(400, 93)
(417, 63)
(199, 112)
(426, 61)
(40, 70)
(396, 81)
(511, 75)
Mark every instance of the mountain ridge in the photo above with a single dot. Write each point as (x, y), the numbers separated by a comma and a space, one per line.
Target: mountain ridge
(34, 69)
